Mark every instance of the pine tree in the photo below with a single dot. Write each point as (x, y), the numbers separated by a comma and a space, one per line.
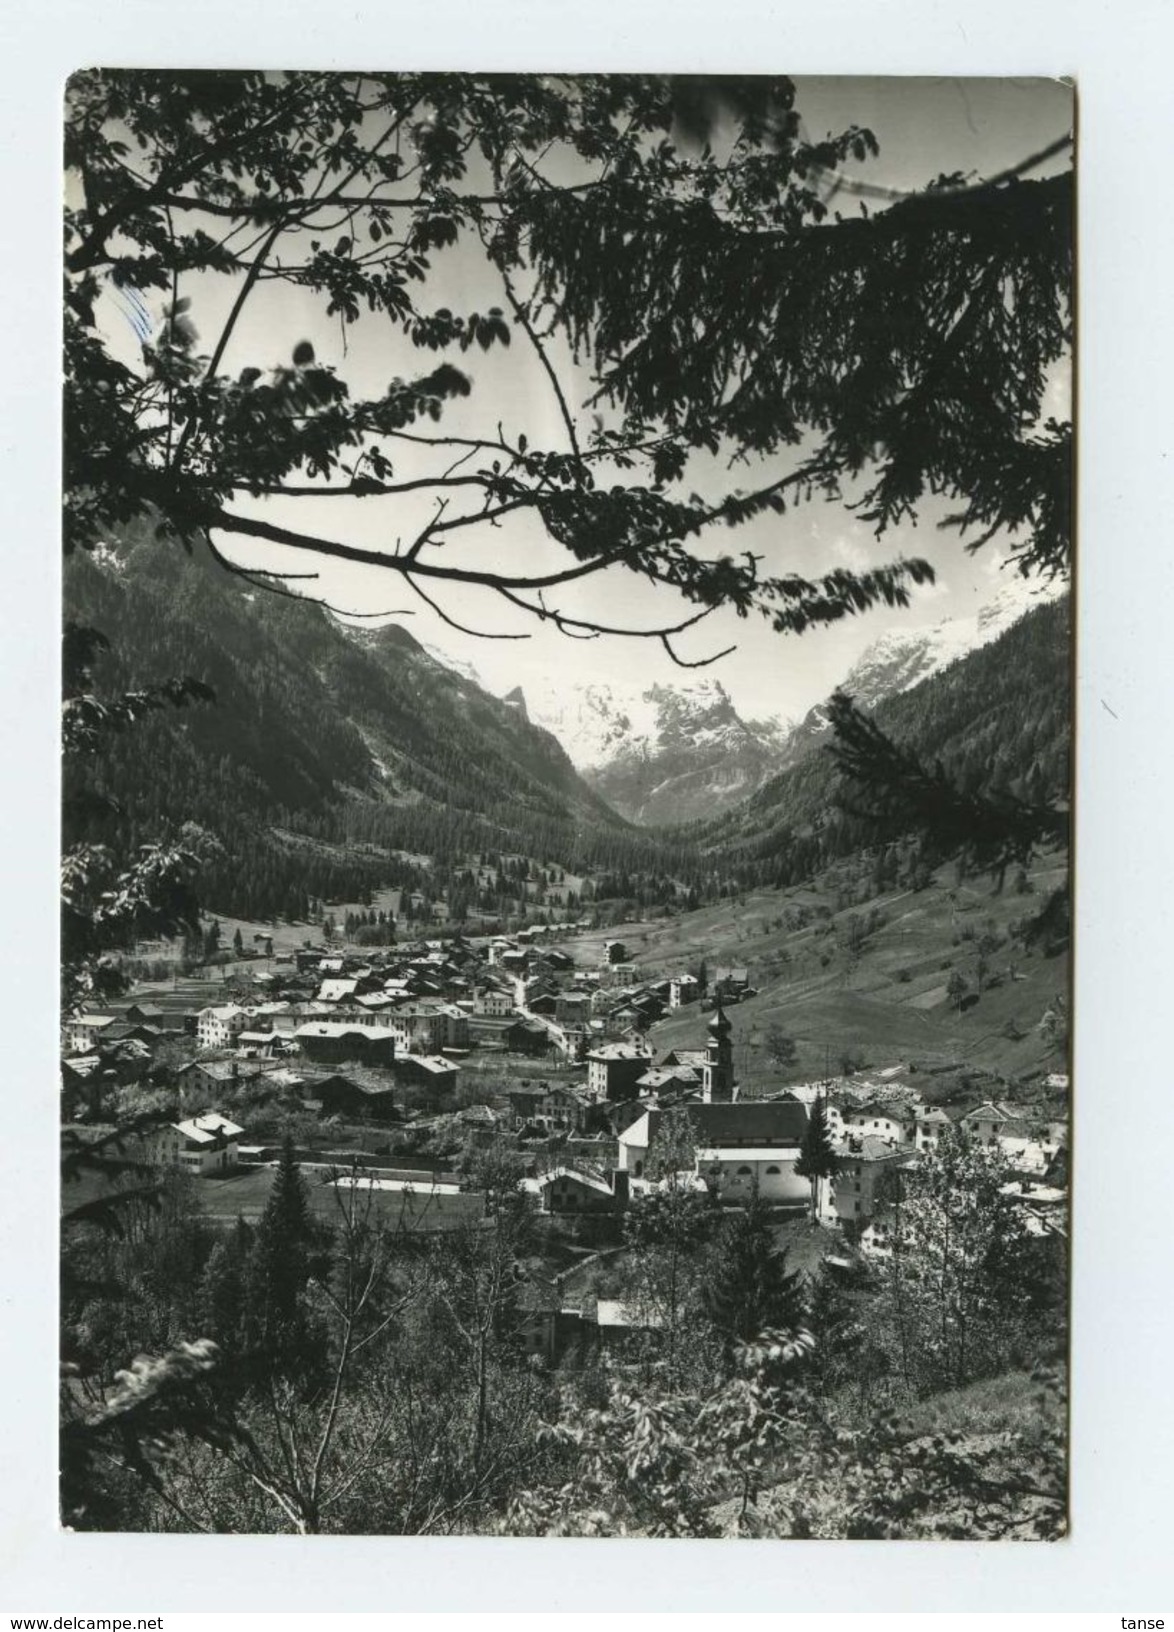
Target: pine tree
(224, 1304)
(748, 1288)
(280, 1263)
(817, 1157)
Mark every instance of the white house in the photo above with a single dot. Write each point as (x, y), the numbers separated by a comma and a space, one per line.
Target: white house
(737, 1146)
(418, 1030)
(895, 1124)
(259, 1044)
(202, 1145)
(569, 1190)
(990, 1122)
(613, 1069)
(862, 1164)
(930, 1123)
(493, 1002)
(670, 1079)
(217, 1025)
(454, 1026)
(84, 1032)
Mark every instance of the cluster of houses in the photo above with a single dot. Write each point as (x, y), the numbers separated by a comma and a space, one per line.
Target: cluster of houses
(876, 1127)
(380, 1035)
(410, 1014)
(366, 1035)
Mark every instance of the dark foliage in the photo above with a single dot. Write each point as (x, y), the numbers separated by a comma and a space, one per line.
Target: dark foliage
(748, 1289)
(990, 831)
(913, 345)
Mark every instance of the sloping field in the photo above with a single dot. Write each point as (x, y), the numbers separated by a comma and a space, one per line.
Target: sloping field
(861, 978)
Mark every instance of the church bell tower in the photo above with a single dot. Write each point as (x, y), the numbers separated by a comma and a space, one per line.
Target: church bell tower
(717, 1074)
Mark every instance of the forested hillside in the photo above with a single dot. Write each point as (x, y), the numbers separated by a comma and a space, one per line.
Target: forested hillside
(357, 738)
(998, 719)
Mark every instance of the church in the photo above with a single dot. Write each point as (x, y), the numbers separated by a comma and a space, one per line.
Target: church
(738, 1144)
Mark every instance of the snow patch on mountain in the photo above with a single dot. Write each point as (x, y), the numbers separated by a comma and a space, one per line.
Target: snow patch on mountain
(603, 721)
(903, 658)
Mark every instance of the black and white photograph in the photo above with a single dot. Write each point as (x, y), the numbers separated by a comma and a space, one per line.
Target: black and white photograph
(567, 733)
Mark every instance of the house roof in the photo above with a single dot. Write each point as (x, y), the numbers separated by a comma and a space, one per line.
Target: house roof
(758, 1123)
(427, 1062)
(340, 1081)
(343, 1028)
(284, 1078)
(875, 1109)
(988, 1111)
(82, 1065)
(872, 1149)
(662, 1074)
(224, 1070)
(586, 1179)
(332, 991)
(206, 1128)
(617, 1051)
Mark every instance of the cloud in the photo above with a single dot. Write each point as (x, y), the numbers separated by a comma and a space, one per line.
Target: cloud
(850, 552)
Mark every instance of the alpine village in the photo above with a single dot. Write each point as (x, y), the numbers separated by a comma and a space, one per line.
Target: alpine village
(634, 1119)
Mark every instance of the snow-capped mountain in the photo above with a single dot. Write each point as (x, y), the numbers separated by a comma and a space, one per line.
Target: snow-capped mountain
(665, 754)
(901, 658)
(659, 754)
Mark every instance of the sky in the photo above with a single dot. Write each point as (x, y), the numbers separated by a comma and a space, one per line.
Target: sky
(924, 127)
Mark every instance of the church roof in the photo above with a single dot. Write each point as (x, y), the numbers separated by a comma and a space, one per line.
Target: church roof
(758, 1123)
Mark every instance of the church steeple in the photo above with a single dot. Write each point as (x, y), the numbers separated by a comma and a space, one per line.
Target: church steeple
(717, 1074)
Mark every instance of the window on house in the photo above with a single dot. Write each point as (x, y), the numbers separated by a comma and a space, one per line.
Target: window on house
(745, 1173)
(771, 1170)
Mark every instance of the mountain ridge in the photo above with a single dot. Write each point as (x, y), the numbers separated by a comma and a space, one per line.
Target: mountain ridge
(666, 755)
(341, 732)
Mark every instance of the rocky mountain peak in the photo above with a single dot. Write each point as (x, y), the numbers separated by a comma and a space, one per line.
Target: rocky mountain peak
(517, 699)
